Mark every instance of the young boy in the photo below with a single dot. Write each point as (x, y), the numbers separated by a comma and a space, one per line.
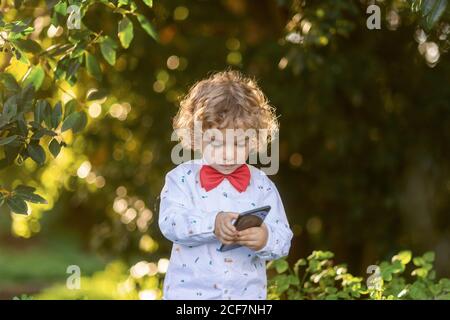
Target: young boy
(201, 198)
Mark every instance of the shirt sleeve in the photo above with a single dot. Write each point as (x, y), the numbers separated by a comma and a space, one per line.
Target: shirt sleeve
(279, 232)
(179, 221)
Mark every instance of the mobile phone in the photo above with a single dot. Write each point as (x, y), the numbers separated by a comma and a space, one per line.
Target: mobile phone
(248, 219)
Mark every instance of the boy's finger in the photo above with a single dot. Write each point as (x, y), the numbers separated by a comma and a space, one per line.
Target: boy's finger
(230, 217)
(227, 242)
(230, 235)
(229, 228)
(233, 215)
(227, 231)
(227, 237)
(246, 243)
(248, 231)
(248, 237)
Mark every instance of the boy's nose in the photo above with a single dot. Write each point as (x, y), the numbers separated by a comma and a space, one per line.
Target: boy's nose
(229, 153)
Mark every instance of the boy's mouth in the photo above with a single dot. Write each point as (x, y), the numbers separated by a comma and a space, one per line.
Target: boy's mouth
(227, 167)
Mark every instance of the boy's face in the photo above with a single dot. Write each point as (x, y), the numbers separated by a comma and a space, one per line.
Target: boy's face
(225, 149)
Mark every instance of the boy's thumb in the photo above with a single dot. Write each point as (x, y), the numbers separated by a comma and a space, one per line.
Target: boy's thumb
(234, 215)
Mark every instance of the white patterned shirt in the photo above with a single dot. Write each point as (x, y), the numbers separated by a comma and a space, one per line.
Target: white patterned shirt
(197, 270)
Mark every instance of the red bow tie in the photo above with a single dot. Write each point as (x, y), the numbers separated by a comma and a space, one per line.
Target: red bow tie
(211, 178)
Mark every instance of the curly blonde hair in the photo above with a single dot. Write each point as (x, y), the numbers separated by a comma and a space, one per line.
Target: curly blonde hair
(226, 99)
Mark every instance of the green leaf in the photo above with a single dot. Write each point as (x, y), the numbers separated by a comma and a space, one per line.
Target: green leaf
(28, 45)
(294, 280)
(148, 3)
(427, 6)
(70, 121)
(93, 67)
(434, 14)
(7, 140)
(42, 132)
(418, 291)
(24, 189)
(47, 115)
(38, 135)
(39, 110)
(419, 261)
(429, 256)
(56, 115)
(75, 121)
(146, 25)
(397, 267)
(22, 27)
(9, 82)
(17, 204)
(321, 255)
(96, 94)
(59, 13)
(420, 272)
(72, 70)
(386, 272)
(81, 123)
(404, 257)
(36, 153)
(282, 283)
(20, 56)
(108, 49)
(54, 147)
(125, 32)
(80, 47)
(27, 194)
(70, 107)
(22, 125)
(26, 98)
(58, 49)
(10, 109)
(61, 67)
(35, 76)
(281, 266)
(34, 198)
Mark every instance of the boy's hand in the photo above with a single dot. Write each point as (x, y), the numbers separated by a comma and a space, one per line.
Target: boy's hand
(224, 229)
(253, 238)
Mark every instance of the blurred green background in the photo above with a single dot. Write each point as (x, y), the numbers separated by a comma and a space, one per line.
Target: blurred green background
(364, 138)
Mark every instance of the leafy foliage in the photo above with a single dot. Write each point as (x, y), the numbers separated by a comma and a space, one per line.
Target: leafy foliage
(431, 11)
(317, 277)
(33, 120)
(315, 24)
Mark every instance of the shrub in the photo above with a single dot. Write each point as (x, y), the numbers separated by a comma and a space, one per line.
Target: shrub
(317, 277)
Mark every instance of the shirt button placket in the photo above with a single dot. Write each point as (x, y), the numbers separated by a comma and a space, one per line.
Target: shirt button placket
(225, 187)
(225, 289)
